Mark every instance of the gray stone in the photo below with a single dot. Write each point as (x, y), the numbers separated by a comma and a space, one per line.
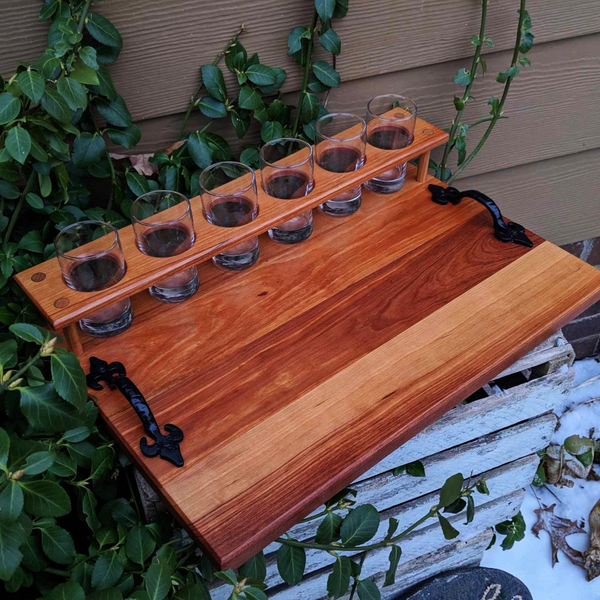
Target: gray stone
(477, 583)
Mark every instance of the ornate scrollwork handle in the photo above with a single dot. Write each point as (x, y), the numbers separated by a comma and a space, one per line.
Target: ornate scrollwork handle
(505, 232)
(115, 375)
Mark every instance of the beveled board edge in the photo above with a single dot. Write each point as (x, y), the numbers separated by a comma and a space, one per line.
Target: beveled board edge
(44, 285)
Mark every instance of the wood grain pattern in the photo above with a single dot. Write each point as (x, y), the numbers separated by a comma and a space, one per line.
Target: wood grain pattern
(414, 308)
(62, 306)
(165, 43)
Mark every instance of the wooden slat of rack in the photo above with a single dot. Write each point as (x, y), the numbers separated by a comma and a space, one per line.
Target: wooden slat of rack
(293, 378)
(62, 306)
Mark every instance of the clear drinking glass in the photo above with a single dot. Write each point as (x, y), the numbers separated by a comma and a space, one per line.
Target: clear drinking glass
(341, 141)
(228, 192)
(91, 259)
(163, 226)
(287, 177)
(390, 132)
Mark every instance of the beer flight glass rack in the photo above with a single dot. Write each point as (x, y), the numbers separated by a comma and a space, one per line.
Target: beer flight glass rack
(63, 307)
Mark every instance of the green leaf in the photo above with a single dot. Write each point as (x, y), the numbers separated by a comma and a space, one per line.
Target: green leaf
(33, 558)
(232, 51)
(11, 502)
(360, 525)
(255, 568)
(331, 41)
(87, 149)
(254, 593)
(329, 528)
(103, 30)
(70, 590)
(449, 532)
(415, 469)
(69, 378)
(10, 108)
(261, 75)
(310, 107)
(47, 65)
(54, 104)
(45, 411)
(158, 578)
(137, 183)
(526, 42)
(249, 98)
(77, 434)
(88, 56)
(64, 466)
(45, 499)
(295, 39)
(463, 77)
(213, 80)
(192, 592)
(199, 149)
(250, 157)
(325, 9)
(32, 241)
(470, 509)
(18, 143)
(456, 507)
(280, 76)
(326, 74)
(228, 576)
(115, 112)
(392, 527)
(32, 84)
(271, 130)
(139, 545)
(38, 462)
(12, 536)
(212, 108)
(508, 74)
(28, 333)
(106, 594)
(105, 86)
(219, 147)
(290, 563)
(57, 544)
(451, 489)
(48, 10)
(127, 137)
(84, 74)
(341, 9)
(339, 579)
(367, 590)
(8, 190)
(37, 151)
(102, 462)
(390, 574)
(459, 103)
(107, 570)
(241, 122)
(4, 445)
(8, 359)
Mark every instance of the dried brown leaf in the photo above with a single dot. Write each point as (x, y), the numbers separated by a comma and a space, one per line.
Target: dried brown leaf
(558, 529)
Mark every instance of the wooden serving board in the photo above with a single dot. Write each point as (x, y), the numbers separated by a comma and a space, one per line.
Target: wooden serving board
(291, 379)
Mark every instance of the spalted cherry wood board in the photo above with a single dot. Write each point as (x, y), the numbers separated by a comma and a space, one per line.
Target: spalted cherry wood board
(62, 306)
(291, 379)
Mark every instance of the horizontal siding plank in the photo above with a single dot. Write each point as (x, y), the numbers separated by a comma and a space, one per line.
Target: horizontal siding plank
(165, 43)
(558, 198)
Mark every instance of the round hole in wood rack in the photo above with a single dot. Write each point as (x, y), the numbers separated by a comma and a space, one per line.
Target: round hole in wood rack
(37, 277)
(61, 303)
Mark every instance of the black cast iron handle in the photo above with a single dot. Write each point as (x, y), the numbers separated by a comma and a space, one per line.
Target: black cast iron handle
(505, 232)
(115, 375)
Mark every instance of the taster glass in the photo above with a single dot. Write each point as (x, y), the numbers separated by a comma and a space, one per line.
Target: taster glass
(228, 192)
(163, 226)
(341, 142)
(287, 177)
(91, 259)
(390, 132)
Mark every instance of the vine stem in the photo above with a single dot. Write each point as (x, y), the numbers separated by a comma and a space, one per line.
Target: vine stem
(384, 543)
(456, 122)
(307, 65)
(113, 173)
(355, 584)
(216, 61)
(17, 211)
(84, 13)
(21, 371)
(498, 113)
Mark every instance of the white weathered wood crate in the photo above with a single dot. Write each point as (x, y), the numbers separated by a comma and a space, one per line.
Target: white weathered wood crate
(495, 436)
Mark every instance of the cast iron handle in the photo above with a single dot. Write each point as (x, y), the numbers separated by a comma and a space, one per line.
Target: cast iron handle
(114, 374)
(505, 232)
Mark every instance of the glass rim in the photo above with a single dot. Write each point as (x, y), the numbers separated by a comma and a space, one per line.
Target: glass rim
(115, 243)
(286, 139)
(341, 139)
(412, 115)
(224, 194)
(151, 223)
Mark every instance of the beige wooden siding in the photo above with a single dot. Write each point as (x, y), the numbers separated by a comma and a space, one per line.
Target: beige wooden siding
(387, 45)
